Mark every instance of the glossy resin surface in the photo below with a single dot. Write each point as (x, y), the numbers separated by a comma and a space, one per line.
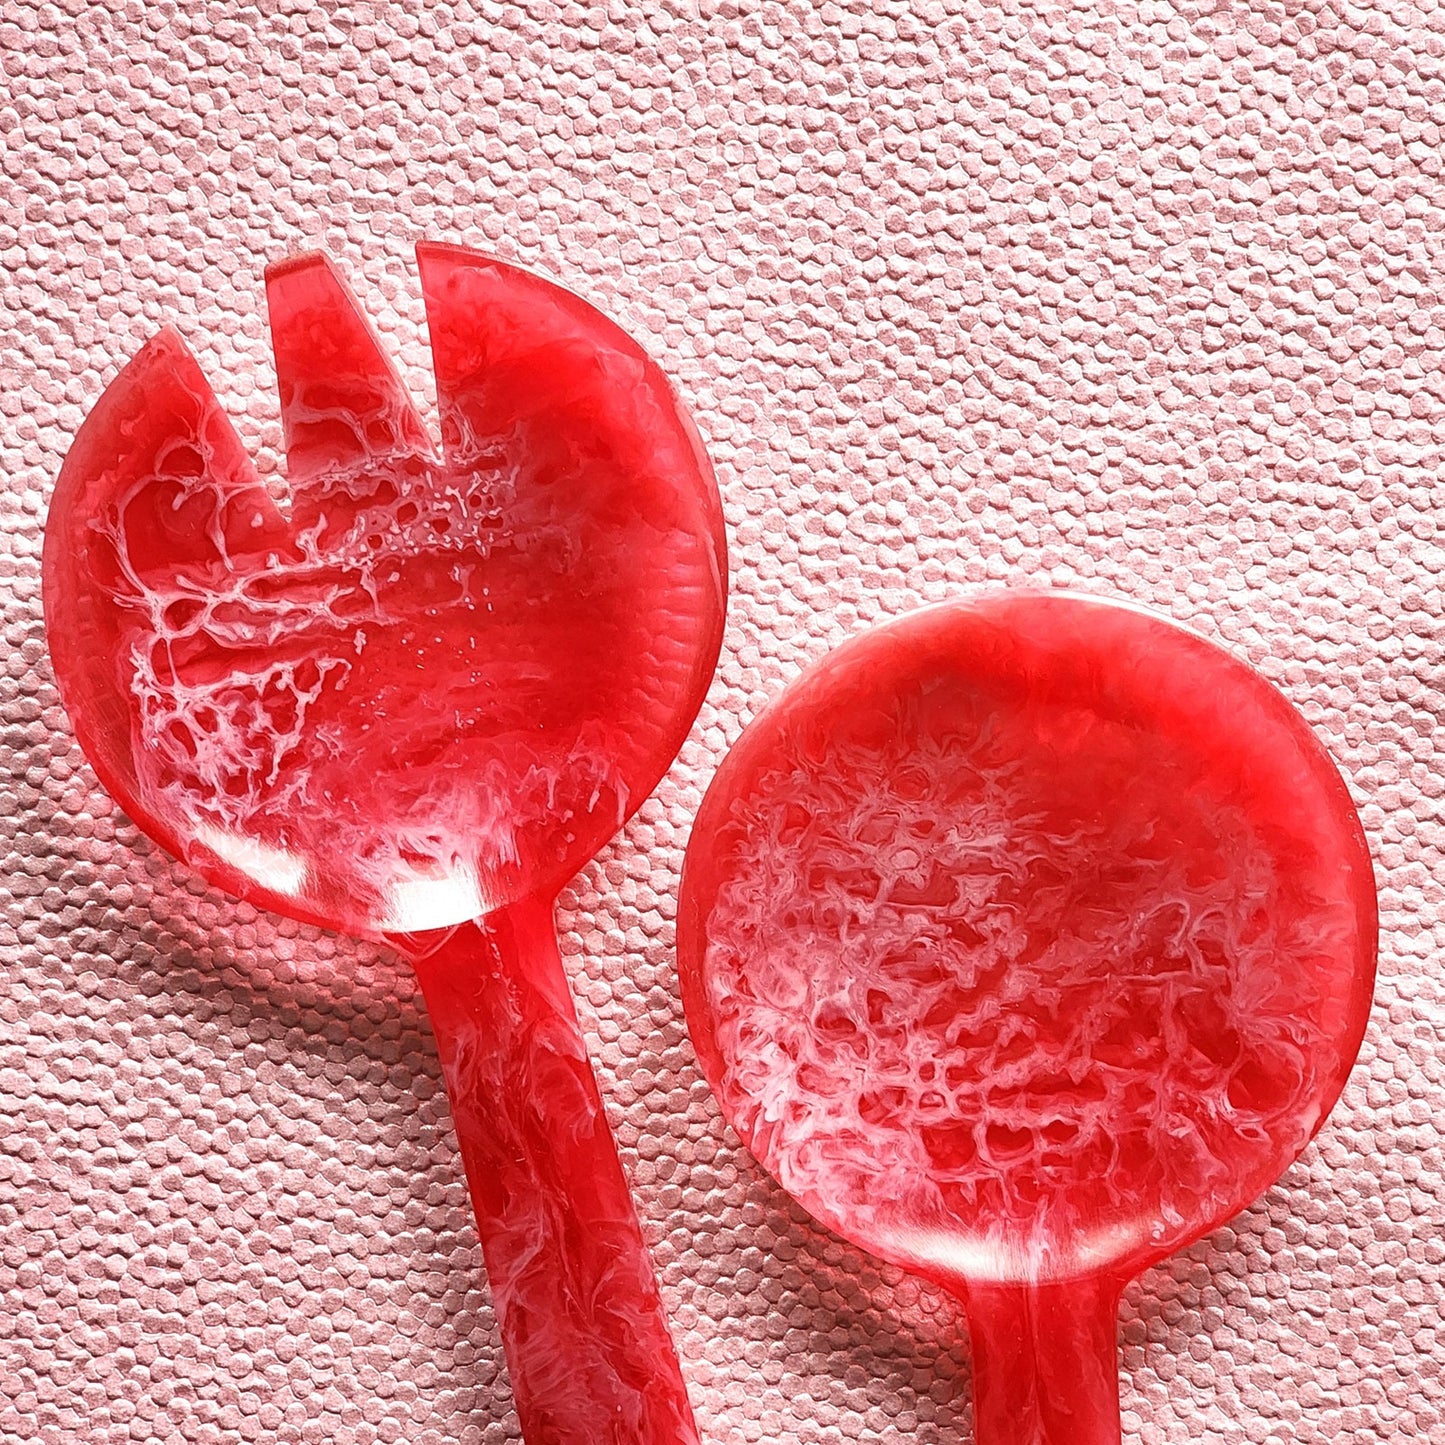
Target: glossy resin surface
(438, 678)
(1024, 940)
(420, 694)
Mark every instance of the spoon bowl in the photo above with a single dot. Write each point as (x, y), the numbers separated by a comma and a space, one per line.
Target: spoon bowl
(1025, 940)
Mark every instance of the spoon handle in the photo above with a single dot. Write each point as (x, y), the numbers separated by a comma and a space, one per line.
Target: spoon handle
(1045, 1362)
(588, 1349)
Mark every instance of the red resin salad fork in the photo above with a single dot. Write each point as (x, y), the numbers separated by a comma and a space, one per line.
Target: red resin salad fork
(412, 706)
(1025, 940)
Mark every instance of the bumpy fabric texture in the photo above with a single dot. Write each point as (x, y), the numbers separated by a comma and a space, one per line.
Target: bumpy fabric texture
(1142, 298)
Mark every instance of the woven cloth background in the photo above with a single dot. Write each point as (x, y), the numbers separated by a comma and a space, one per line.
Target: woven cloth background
(1135, 296)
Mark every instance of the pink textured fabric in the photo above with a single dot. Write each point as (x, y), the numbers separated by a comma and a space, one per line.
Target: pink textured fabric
(1139, 297)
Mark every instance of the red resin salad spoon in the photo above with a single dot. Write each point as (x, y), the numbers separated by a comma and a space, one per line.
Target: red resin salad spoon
(1025, 940)
(412, 707)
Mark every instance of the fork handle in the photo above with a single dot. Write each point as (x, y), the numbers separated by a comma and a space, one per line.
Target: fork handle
(588, 1349)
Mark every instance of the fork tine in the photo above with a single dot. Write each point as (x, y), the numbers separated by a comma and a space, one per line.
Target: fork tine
(157, 478)
(156, 506)
(342, 402)
(525, 368)
(512, 351)
(521, 362)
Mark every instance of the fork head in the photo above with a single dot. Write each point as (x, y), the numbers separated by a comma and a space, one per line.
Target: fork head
(441, 676)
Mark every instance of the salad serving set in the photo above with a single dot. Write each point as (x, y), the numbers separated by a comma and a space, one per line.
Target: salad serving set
(1024, 939)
